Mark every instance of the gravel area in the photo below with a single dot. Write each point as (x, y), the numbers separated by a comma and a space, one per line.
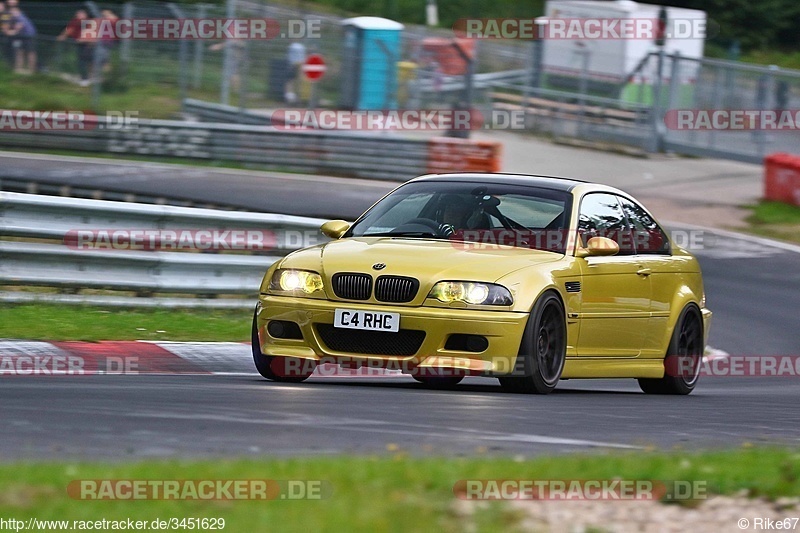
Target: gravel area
(716, 514)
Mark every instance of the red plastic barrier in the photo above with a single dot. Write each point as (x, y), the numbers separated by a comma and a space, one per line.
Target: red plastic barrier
(782, 178)
(462, 155)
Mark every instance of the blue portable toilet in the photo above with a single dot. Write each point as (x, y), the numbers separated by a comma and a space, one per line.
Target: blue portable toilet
(372, 47)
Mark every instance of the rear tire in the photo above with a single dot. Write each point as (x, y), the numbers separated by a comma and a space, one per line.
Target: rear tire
(283, 369)
(543, 349)
(683, 359)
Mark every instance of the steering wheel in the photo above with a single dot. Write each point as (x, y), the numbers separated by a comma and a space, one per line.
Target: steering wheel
(437, 229)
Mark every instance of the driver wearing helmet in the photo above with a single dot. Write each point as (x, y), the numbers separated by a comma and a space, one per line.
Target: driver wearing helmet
(458, 213)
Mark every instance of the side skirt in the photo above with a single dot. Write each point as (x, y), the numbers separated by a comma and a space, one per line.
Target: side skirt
(578, 367)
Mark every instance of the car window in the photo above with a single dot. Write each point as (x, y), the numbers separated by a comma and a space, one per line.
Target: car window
(649, 238)
(407, 208)
(524, 214)
(601, 216)
(531, 212)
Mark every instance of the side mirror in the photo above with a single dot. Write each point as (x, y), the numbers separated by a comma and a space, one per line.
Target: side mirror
(334, 228)
(598, 247)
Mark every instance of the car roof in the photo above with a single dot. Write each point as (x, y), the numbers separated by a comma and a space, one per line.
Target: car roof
(505, 178)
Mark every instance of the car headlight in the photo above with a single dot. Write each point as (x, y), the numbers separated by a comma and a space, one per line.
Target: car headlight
(297, 281)
(471, 293)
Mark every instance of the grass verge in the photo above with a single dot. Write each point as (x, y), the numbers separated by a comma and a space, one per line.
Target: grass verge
(153, 100)
(387, 493)
(776, 220)
(84, 323)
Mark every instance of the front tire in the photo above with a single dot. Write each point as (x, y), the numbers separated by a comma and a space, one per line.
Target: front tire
(684, 355)
(543, 349)
(283, 369)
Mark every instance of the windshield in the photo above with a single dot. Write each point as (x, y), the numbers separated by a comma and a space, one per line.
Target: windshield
(468, 211)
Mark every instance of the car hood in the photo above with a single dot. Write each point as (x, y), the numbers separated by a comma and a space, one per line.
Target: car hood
(428, 260)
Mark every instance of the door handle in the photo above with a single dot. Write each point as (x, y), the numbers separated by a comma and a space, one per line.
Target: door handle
(644, 271)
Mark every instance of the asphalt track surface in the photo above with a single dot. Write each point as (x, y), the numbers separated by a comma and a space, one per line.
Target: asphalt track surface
(126, 417)
(752, 287)
(273, 192)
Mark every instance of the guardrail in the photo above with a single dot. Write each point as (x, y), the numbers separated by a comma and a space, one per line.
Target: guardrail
(228, 114)
(366, 155)
(383, 156)
(49, 262)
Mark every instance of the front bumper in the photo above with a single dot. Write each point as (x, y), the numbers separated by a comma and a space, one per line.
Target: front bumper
(502, 329)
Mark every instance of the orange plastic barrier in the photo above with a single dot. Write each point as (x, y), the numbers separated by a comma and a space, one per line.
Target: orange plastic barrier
(782, 178)
(441, 51)
(462, 155)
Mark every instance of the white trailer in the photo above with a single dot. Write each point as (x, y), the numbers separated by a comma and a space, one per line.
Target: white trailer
(609, 40)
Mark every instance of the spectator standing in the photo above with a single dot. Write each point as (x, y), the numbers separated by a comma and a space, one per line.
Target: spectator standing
(23, 39)
(237, 58)
(295, 57)
(83, 47)
(106, 43)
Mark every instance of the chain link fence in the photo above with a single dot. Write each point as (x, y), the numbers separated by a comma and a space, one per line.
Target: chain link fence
(253, 73)
(686, 105)
(751, 89)
(434, 70)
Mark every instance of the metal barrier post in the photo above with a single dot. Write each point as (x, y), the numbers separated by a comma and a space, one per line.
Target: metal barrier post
(657, 126)
(182, 55)
(97, 75)
(227, 68)
(197, 69)
(715, 98)
(125, 48)
(583, 86)
(466, 101)
(244, 67)
(673, 98)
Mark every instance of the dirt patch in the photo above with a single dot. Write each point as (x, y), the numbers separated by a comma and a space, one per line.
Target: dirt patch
(718, 513)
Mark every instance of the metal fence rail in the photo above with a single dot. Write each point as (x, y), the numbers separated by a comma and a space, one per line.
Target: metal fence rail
(227, 114)
(24, 261)
(54, 265)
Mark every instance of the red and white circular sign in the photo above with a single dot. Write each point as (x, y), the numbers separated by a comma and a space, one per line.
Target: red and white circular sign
(314, 67)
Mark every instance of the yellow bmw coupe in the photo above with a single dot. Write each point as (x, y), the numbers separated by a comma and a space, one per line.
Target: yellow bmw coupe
(527, 279)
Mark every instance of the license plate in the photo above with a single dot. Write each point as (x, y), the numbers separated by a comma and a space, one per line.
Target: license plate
(366, 320)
